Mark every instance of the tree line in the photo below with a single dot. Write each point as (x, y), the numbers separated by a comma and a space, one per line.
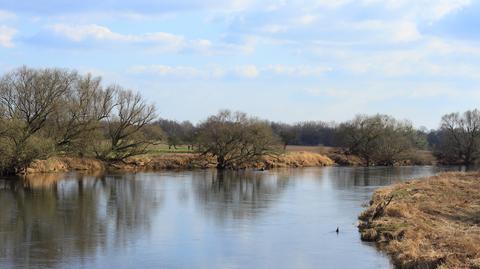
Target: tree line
(55, 111)
(45, 112)
(376, 139)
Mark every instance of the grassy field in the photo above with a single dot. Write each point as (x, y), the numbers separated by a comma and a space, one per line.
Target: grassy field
(314, 149)
(163, 148)
(427, 223)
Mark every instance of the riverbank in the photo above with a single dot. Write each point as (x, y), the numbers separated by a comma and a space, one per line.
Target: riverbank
(428, 223)
(172, 161)
(340, 157)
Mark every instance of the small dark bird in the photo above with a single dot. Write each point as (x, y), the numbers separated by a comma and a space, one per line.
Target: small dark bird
(337, 230)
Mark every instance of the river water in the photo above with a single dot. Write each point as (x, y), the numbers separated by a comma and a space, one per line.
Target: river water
(193, 219)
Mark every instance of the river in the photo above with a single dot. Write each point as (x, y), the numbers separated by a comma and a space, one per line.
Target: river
(283, 218)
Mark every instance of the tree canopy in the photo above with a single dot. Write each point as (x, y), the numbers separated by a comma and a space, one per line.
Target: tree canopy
(236, 140)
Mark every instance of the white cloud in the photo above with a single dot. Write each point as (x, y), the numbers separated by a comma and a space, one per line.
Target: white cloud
(6, 36)
(442, 8)
(431, 10)
(298, 70)
(82, 32)
(183, 72)
(6, 15)
(388, 31)
(165, 70)
(156, 41)
(79, 33)
(307, 19)
(247, 71)
(406, 32)
(240, 71)
(330, 3)
(273, 28)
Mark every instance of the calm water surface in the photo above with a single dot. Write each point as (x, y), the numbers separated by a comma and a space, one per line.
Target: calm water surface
(195, 219)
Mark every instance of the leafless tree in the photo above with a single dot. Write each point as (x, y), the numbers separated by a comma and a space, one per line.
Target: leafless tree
(377, 139)
(123, 127)
(51, 111)
(82, 109)
(460, 137)
(28, 97)
(397, 138)
(236, 140)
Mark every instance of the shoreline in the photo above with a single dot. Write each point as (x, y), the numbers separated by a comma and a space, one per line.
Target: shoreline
(173, 161)
(431, 222)
(294, 157)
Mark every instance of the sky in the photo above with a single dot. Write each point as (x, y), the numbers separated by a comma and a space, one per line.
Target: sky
(281, 60)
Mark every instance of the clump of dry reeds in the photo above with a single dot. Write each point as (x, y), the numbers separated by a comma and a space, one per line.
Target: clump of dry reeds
(65, 164)
(297, 159)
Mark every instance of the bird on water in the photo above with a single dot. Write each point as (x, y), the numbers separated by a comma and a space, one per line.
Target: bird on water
(337, 230)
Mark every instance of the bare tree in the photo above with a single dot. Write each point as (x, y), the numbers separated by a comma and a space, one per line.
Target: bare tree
(82, 109)
(397, 137)
(177, 132)
(377, 139)
(123, 127)
(460, 137)
(360, 134)
(236, 140)
(286, 133)
(28, 97)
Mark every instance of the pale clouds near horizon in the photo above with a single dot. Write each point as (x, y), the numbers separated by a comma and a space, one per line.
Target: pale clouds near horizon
(281, 60)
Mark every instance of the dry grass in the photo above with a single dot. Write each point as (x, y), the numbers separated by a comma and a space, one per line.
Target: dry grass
(190, 161)
(418, 157)
(430, 223)
(167, 161)
(171, 161)
(297, 159)
(65, 164)
(335, 154)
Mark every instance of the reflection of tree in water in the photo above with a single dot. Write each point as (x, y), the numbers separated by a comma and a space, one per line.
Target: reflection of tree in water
(48, 219)
(350, 177)
(237, 194)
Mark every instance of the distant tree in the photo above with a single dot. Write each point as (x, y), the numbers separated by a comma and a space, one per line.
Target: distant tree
(421, 138)
(378, 139)
(310, 133)
(460, 137)
(314, 133)
(285, 132)
(433, 139)
(177, 133)
(397, 137)
(236, 140)
(152, 132)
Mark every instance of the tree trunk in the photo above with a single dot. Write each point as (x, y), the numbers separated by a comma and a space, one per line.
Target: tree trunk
(221, 164)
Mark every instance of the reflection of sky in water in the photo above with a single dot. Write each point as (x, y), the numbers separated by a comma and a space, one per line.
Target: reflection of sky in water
(201, 219)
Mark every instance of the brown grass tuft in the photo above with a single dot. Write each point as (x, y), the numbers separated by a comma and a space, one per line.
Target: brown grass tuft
(430, 223)
(65, 164)
(171, 161)
(297, 159)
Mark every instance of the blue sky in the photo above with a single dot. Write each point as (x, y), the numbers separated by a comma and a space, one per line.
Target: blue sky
(282, 60)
